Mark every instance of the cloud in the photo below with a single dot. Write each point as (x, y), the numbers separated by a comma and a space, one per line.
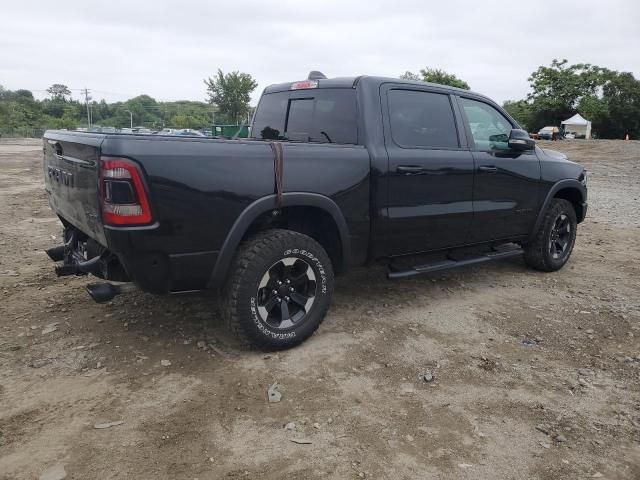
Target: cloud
(166, 48)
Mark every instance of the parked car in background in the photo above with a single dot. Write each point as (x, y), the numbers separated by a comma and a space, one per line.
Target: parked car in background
(100, 129)
(168, 131)
(190, 132)
(550, 133)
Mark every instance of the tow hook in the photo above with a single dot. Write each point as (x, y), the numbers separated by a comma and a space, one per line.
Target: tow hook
(104, 291)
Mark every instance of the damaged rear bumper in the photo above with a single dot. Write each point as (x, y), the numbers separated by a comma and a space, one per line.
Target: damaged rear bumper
(80, 255)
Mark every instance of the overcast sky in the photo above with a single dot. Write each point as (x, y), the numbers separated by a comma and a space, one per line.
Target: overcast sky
(120, 49)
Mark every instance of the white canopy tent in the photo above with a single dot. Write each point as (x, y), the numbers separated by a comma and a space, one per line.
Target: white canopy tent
(579, 125)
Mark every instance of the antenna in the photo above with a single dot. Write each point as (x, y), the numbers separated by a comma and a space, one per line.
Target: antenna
(316, 75)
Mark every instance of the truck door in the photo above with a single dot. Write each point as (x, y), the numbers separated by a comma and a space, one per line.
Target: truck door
(430, 176)
(506, 186)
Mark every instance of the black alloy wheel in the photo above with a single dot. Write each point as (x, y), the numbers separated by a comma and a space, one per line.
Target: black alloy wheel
(560, 236)
(286, 293)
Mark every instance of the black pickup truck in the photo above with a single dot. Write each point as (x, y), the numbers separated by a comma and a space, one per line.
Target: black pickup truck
(336, 173)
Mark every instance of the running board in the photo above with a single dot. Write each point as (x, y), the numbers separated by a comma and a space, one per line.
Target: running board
(447, 264)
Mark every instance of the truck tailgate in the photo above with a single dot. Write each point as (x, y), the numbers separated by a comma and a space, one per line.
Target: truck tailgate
(71, 168)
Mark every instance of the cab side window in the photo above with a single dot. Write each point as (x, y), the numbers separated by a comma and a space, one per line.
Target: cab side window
(422, 119)
(489, 128)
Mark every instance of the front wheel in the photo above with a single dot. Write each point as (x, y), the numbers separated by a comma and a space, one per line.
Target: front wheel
(279, 290)
(553, 243)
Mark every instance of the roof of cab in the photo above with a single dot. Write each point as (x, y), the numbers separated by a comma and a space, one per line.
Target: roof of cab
(339, 82)
(352, 82)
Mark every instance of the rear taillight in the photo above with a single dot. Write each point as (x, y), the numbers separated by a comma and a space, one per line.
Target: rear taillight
(123, 193)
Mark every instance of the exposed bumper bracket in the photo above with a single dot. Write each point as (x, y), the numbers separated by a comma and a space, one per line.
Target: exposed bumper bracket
(104, 291)
(56, 253)
(93, 265)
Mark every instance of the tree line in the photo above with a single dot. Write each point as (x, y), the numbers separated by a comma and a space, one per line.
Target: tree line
(20, 111)
(610, 99)
(228, 103)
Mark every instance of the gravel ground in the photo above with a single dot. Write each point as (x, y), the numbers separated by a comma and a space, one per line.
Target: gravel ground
(533, 376)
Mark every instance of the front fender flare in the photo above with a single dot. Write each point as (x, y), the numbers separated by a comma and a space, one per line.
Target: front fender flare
(562, 184)
(266, 204)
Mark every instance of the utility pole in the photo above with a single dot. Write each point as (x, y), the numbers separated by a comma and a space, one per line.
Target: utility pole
(86, 92)
(130, 118)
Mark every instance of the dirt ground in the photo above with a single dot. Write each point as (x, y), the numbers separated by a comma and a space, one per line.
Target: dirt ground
(535, 376)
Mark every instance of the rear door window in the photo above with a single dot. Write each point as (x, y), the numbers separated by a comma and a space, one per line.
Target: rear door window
(318, 115)
(422, 119)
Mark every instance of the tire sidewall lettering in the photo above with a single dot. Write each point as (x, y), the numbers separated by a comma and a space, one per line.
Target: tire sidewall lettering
(262, 327)
(253, 302)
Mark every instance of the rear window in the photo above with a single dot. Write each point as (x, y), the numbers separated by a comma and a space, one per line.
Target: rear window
(318, 115)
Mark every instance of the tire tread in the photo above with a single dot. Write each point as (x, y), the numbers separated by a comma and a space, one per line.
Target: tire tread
(250, 252)
(535, 254)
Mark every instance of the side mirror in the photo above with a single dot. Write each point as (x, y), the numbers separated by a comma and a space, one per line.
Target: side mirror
(520, 140)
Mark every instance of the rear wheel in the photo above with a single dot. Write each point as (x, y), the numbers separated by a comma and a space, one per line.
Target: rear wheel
(280, 289)
(553, 242)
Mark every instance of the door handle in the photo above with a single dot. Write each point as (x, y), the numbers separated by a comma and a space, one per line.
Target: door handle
(409, 169)
(488, 169)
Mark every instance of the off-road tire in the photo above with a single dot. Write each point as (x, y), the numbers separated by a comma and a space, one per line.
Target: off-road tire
(537, 253)
(253, 260)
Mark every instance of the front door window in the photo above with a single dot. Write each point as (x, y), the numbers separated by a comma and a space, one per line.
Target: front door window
(489, 128)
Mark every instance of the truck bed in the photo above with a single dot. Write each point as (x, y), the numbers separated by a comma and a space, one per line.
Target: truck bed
(198, 188)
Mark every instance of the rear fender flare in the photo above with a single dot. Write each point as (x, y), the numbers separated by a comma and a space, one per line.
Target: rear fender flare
(266, 204)
(562, 184)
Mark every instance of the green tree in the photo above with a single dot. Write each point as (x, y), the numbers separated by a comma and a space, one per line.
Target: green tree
(19, 110)
(231, 93)
(145, 109)
(435, 75)
(521, 111)
(609, 99)
(182, 121)
(557, 90)
(100, 111)
(596, 109)
(622, 97)
(71, 117)
(59, 91)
